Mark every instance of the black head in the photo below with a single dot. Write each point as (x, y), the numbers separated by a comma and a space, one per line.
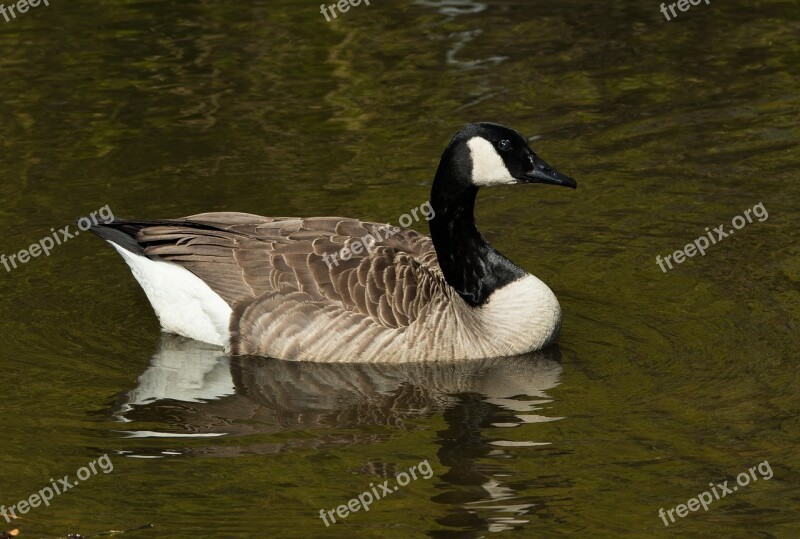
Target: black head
(487, 154)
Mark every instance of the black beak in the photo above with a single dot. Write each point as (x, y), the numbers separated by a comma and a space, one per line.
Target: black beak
(543, 173)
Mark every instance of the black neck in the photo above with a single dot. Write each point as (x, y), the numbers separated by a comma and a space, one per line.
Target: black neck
(470, 265)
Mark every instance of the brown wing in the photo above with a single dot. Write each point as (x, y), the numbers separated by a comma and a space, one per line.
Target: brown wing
(247, 258)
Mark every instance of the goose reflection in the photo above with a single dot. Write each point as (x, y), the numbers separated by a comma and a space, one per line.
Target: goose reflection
(197, 391)
(216, 391)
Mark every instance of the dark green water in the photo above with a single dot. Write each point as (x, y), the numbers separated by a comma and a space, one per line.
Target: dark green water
(662, 382)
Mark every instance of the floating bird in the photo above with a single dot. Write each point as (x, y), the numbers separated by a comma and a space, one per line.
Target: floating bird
(267, 286)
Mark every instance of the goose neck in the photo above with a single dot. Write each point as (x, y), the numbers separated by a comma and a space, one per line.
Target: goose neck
(469, 263)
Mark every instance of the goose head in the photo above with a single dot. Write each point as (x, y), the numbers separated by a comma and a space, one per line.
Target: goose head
(487, 154)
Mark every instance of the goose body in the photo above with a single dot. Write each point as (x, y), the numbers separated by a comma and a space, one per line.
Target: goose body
(266, 285)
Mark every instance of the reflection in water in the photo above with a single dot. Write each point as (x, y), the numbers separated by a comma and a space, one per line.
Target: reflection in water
(452, 9)
(182, 370)
(199, 392)
(216, 390)
(482, 87)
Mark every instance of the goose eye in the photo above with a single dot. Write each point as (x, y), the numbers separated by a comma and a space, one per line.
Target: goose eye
(504, 145)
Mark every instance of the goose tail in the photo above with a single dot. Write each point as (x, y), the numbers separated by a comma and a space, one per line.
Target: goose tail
(121, 233)
(183, 302)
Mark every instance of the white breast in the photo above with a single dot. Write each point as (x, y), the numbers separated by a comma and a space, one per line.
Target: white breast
(183, 303)
(522, 316)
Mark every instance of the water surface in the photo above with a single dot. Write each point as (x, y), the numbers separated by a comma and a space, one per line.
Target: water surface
(661, 383)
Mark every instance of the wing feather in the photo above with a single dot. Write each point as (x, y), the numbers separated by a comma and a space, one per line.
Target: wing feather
(264, 266)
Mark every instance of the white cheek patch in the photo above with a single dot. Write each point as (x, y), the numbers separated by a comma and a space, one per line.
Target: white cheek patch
(488, 167)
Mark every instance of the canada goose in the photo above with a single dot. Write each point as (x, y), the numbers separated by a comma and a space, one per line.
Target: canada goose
(259, 285)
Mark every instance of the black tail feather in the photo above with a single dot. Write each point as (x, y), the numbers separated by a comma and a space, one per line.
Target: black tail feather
(123, 232)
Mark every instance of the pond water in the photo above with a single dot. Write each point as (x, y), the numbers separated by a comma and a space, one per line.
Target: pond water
(662, 382)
